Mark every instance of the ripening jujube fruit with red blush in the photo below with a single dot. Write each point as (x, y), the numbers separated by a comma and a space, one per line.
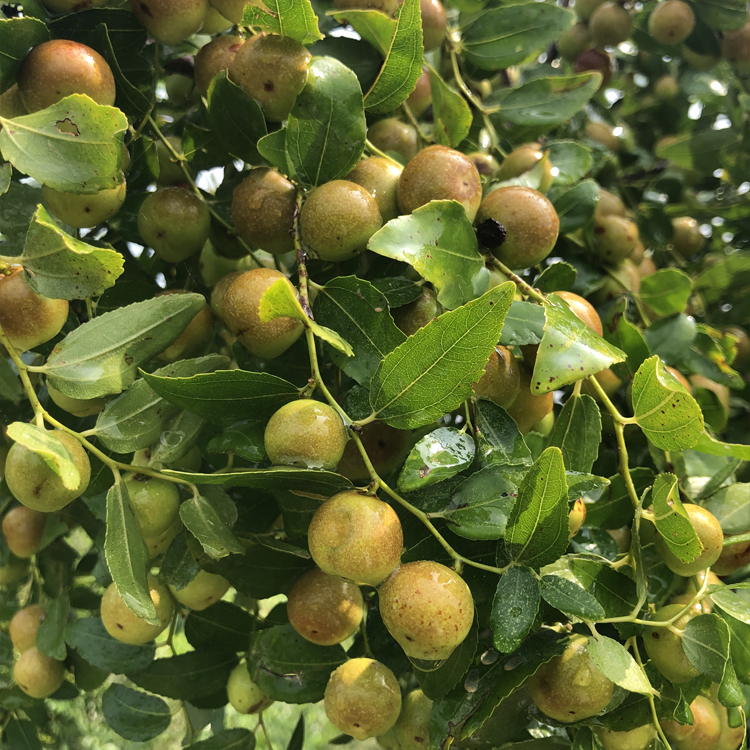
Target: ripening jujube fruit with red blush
(702, 734)
(583, 310)
(420, 99)
(216, 56)
(501, 381)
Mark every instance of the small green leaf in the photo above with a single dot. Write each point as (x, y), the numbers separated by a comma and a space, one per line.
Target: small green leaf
(209, 517)
(514, 608)
(134, 715)
(6, 172)
(451, 112)
(440, 455)
(372, 25)
(571, 598)
(731, 506)
(293, 18)
(667, 291)
(672, 520)
(524, 324)
(733, 604)
(578, 433)
(272, 148)
(10, 386)
(50, 638)
(90, 639)
(49, 448)
(614, 509)
(575, 207)
(726, 15)
(179, 435)
(499, 443)
(557, 276)
(571, 159)
(705, 641)
(244, 439)
(615, 662)
(620, 332)
(17, 37)
(699, 149)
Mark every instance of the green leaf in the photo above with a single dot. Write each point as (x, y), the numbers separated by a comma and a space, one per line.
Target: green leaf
(718, 277)
(571, 598)
(569, 350)
(403, 62)
(50, 638)
(179, 435)
(514, 608)
(439, 242)
(667, 291)
(668, 415)
(726, 15)
(615, 662)
(223, 623)
(613, 509)
(731, 603)
(739, 646)
(229, 739)
(235, 118)
(10, 386)
(557, 276)
(524, 324)
(292, 18)
(17, 37)
(20, 734)
(46, 445)
(398, 290)
(709, 444)
(550, 101)
(187, 676)
(499, 443)
(272, 148)
(578, 433)
(91, 640)
(571, 159)
(226, 396)
(575, 207)
(244, 439)
(372, 25)
(134, 715)
(620, 332)
(102, 356)
(358, 312)
(537, 531)
(451, 112)
(326, 130)
(705, 641)
(126, 553)
(731, 506)
(672, 520)
(502, 36)
(6, 172)
(699, 149)
(432, 372)
(74, 146)
(440, 455)
(209, 517)
(289, 668)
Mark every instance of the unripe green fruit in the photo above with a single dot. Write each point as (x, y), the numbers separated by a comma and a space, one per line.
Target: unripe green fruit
(338, 219)
(636, 739)
(585, 8)
(33, 483)
(528, 409)
(574, 41)
(195, 338)
(671, 22)
(180, 89)
(85, 210)
(730, 737)
(410, 318)
(27, 318)
(155, 502)
(434, 24)
(158, 545)
(263, 207)
(569, 687)
(420, 99)
(394, 136)
(362, 698)
(379, 177)
(521, 160)
(439, 173)
(386, 448)
(78, 407)
(664, 647)
(244, 695)
(214, 23)
(702, 734)
(501, 381)
(697, 61)
(13, 571)
(609, 204)
(531, 224)
(175, 223)
(384, 6)
(37, 674)
(203, 591)
(614, 238)
(234, 10)
(305, 433)
(602, 133)
(732, 558)
(427, 608)
(356, 537)
(666, 88)
(324, 609)
(170, 172)
(686, 236)
(24, 626)
(23, 529)
(413, 724)
(486, 164)
(124, 625)
(221, 287)
(59, 68)
(273, 70)
(708, 530)
(610, 24)
(170, 21)
(240, 310)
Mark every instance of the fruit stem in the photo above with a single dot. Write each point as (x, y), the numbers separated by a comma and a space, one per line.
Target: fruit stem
(527, 289)
(301, 257)
(265, 731)
(413, 120)
(23, 373)
(373, 149)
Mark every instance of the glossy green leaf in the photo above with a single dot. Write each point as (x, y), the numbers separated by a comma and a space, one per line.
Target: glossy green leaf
(672, 337)
(272, 148)
(714, 280)
(244, 439)
(499, 443)
(229, 739)
(451, 112)
(615, 662)
(91, 640)
(209, 517)
(134, 715)
(555, 277)
(668, 415)
(705, 641)
(571, 159)
(398, 290)
(739, 646)
(667, 291)
(570, 598)
(709, 444)
(672, 520)
(6, 172)
(20, 734)
(372, 25)
(514, 608)
(577, 433)
(46, 445)
(731, 506)
(439, 242)
(524, 324)
(403, 62)
(10, 385)
(732, 603)
(17, 37)
(537, 531)
(179, 435)
(439, 455)
(326, 130)
(223, 623)
(292, 18)
(50, 638)
(432, 372)
(575, 207)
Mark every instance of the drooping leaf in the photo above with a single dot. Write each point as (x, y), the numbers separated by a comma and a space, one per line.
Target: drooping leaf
(666, 291)
(709, 444)
(134, 715)
(615, 662)
(514, 608)
(577, 433)
(293, 18)
(50, 638)
(672, 520)
(229, 739)
(499, 443)
(210, 517)
(570, 598)
(620, 332)
(450, 111)
(439, 455)
(90, 639)
(46, 445)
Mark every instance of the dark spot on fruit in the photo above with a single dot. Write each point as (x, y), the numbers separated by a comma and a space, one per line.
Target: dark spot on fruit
(491, 234)
(268, 86)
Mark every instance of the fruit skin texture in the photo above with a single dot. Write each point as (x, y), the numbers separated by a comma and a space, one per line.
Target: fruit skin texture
(219, 291)
(155, 502)
(671, 22)
(434, 24)
(583, 310)
(203, 591)
(13, 571)
(37, 674)
(486, 164)
(195, 338)
(609, 204)
(686, 236)
(356, 537)
(23, 529)
(324, 609)
(28, 318)
(216, 56)
(732, 558)
(244, 695)
(305, 433)
(584, 9)
(438, 173)
(529, 409)
(124, 625)
(338, 219)
(420, 99)
(263, 206)
(85, 210)
(24, 625)
(386, 447)
(523, 159)
(610, 24)
(635, 739)
(362, 698)
(170, 21)
(59, 68)
(413, 725)
(34, 484)
(569, 687)
(614, 238)
(410, 318)
(379, 177)
(702, 734)
(427, 608)
(175, 223)
(396, 136)
(531, 224)
(273, 70)
(501, 381)
(709, 532)
(664, 648)
(158, 545)
(240, 306)
(603, 134)
(78, 407)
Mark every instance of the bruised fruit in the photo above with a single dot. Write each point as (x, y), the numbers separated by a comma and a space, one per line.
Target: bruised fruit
(216, 56)
(501, 381)
(124, 625)
(356, 537)
(671, 22)
(155, 502)
(203, 590)
(84, 210)
(614, 238)
(664, 646)
(23, 529)
(410, 318)
(379, 177)
(37, 674)
(711, 537)
(395, 136)
(244, 695)
(170, 21)
(24, 626)
(413, 725)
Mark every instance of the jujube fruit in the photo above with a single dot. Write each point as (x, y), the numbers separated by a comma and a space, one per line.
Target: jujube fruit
(155, 502)
(610, 24)
(735, 47)
(170, 171)
(379, 177)
(709, 532)
(85, 210)
(702, 734)
(362, 698)
(13, 571)
(583, 310)
(585, 8)
(216, 56)
(214, 23)
(233, 10)
(614, 238)
(24, 626)
(574, 41)
(732, 558)
(730, 737)
(609, 204)
(671, 22)
(522, 160)
(386, 447)
(413, 724)
(356, 537)
(602, 133)
(415, 315)
(158, 545)
(576, 517)
(666, 88)
(395, 136)
(528, 408)
(686, 236)
(245, 695)
(388, 7)
(742, 347)
(420, 99)
(434, 24)
(78, 407)
(598, 60)
(37, 674)
(664, 647)
(221, 287)
(501, 381)
(23, 529)
(696, 60)
(202, 591)
(195, 337)
(634, 739)
(324, 609)
(124, 625)
(305, 433)
(427, 608)
(170, 21)
(486, 164)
